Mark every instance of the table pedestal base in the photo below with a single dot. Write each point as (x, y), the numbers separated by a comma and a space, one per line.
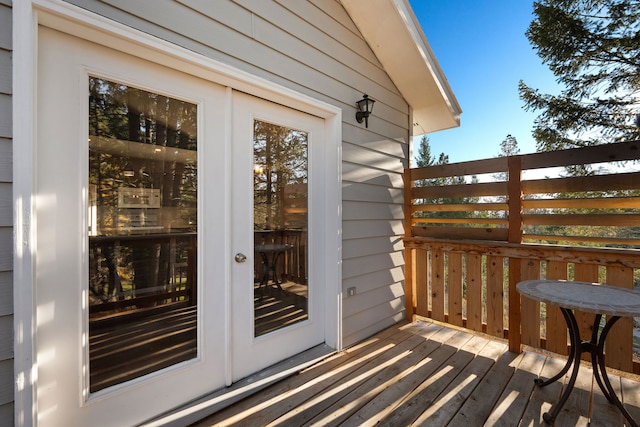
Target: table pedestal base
(270, 263)
(596, 348)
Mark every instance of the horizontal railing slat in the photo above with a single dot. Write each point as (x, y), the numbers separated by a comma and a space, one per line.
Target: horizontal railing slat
(613, 182)
(583, 255)
(583, 239)
(462, 233)
(466, 220)
(615, 220)
(476, 167)
(460, 207)
(544, 160)
(466, 190)
(588, 155)
(595, 203)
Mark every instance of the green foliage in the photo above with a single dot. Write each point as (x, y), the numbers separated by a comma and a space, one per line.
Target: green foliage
(120, 113)
(509, 146)
(593, 48)
(280, 156)
(425, 159)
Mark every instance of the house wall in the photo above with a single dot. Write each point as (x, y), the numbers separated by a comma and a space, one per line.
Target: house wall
(313, 47)
(6, 220)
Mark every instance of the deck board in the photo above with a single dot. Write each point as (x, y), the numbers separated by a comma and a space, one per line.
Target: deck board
(542, 397)
(481, 401)
(426, 374)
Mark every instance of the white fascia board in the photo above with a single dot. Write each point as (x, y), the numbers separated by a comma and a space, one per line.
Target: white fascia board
(395, 36)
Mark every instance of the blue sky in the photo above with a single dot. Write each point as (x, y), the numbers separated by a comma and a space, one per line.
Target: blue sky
(482, 49)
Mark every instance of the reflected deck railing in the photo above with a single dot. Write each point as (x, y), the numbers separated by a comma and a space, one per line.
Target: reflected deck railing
(467, 244)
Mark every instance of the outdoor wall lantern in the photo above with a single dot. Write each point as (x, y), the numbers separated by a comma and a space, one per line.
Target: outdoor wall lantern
(365, 105)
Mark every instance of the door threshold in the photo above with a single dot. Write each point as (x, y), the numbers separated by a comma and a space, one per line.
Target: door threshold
(211, 403)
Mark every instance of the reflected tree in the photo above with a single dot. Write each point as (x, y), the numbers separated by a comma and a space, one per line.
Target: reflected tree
(280, 159)
(124, 116)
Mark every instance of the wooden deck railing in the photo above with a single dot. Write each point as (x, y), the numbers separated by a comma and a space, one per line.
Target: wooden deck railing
(468, 244)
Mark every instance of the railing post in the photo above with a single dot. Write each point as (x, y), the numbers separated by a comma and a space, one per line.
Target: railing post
(409, 281)
(514, 192)
(408, 211)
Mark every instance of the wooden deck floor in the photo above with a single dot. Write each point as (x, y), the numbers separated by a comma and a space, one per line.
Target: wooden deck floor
(425, 374)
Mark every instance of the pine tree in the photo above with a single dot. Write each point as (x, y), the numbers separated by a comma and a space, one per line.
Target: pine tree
(593, 48)
(509, 146)
(424, 157)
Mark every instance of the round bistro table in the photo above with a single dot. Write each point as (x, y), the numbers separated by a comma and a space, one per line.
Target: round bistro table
(270, 254)
(602, 300)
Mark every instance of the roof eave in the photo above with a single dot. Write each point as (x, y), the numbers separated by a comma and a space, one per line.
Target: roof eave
(395, 36)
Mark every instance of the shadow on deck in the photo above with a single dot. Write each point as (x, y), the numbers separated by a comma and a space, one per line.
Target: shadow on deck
(425, 374)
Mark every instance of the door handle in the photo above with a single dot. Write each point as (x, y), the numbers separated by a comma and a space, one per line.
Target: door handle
(240, 258)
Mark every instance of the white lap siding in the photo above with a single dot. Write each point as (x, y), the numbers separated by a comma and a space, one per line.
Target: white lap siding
(6, 220)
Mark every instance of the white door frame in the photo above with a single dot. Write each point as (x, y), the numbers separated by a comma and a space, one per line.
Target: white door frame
(27, 15)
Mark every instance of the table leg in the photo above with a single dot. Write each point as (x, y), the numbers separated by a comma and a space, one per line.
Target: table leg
(274, 263)
(600, 371)
(269, 269)
(539, 381)
(596, 348)
(574, 357)
(597, 356)
(265, 270)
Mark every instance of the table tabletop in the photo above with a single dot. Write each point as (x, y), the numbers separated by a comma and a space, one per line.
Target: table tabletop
(272, 248)
(583, 296)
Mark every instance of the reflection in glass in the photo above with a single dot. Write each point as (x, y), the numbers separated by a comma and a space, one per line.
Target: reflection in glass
(280, 226)
(142, 225)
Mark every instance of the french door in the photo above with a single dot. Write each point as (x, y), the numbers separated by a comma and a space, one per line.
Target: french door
(129, 314)
(176, 235)
(278, 301)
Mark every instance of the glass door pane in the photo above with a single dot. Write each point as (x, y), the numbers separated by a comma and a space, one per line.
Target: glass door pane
(142, 232)
(280, 226)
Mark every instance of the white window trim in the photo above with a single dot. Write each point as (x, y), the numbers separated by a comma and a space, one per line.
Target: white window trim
(27, 16)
